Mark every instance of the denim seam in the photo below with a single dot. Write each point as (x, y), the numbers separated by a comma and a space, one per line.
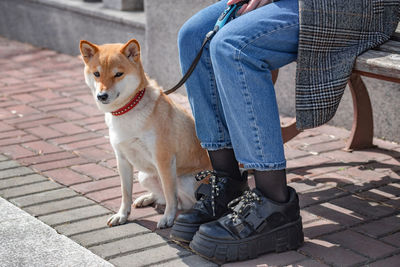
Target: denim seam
(265, 166)
(216, 146)
(221, 132)
(254, 129)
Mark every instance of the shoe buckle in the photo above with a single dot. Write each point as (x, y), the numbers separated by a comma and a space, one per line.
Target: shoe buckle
(240, 228)
(257, 222)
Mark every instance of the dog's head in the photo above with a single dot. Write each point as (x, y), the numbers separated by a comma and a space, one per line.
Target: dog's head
(113, 72)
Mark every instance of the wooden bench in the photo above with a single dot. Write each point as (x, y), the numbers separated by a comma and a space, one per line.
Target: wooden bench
(381, 63)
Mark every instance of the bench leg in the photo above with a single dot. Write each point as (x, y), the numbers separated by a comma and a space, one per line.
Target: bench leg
(362, 131)
(274, 74)
(289, 131)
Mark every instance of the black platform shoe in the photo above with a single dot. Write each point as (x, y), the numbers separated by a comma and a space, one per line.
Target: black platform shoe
(213, 195)
(255, 226)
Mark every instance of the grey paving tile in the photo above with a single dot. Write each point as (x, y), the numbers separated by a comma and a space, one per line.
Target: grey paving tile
(73, 215)
(21, 180)
(192, 260)
(8, 164)
(270, 259)
(60, 205)
(84, 226)
(28, 189)
(43, 197)
(151, 256)
(15, 172)
(110, 234)
(136, 243)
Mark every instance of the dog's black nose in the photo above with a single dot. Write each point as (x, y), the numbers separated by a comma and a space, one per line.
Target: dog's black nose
(102, 96)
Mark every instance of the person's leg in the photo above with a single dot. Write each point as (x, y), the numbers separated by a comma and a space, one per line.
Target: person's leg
(201, 87)
(272, 184)
(202, 91)
(225, 183)
(224, 161)
(243, 54)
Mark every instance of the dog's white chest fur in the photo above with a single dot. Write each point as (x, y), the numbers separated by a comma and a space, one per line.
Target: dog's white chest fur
(130, 140)
(138, 152)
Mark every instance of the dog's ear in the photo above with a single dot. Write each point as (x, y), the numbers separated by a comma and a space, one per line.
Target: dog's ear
(88, 50)
(131, 50)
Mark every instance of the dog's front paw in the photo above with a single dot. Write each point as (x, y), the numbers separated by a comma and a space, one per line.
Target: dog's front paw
(117, 219)
(144, 200)
(166, 221)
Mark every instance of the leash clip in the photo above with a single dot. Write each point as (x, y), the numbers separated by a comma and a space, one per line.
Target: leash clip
(229, 14)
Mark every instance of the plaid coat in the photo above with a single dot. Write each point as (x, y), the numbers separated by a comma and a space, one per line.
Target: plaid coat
(332, 34)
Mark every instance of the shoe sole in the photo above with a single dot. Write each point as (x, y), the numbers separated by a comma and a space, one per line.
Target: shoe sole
(286, 237)
(183, 232)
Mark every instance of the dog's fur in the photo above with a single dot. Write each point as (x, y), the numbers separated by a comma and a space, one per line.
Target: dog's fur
(156, 137)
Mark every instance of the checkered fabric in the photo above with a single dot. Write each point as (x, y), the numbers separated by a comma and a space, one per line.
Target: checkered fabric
(332, 34)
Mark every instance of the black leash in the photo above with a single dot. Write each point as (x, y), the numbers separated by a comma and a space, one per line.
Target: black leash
(226, 16)
(189, 72)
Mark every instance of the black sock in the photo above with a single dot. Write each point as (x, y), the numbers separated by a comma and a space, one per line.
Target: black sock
(272, 184)
(224, 160)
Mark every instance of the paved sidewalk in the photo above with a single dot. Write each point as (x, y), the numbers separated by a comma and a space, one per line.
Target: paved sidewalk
(58, 166)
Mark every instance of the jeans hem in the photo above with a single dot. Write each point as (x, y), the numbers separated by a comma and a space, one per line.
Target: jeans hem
(266, 166)
(216, 146)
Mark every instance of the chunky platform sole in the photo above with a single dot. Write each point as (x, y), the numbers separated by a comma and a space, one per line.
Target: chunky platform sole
(286, 237)
(183, 232)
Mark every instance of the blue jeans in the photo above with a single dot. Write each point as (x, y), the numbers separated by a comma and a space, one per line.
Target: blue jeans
(231, 91)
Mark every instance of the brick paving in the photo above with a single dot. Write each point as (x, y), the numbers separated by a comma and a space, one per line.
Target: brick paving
(56, 164)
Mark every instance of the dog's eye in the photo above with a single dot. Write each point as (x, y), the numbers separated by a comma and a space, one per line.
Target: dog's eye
(118, 74)
(97, 74)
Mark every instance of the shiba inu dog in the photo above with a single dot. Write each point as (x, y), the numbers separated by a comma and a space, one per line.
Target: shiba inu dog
(148, 132)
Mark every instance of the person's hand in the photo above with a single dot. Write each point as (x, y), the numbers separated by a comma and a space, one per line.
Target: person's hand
(253, 4)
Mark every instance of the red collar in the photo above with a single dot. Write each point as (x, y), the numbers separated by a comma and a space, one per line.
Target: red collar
(130, 105)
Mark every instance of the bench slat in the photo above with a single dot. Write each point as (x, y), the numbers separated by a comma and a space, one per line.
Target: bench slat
(390, 46)
(379, 63)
